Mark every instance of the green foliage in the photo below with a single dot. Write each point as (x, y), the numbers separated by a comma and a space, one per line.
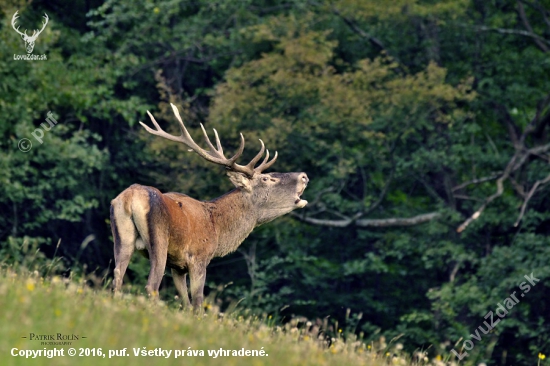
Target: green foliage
(390, 107)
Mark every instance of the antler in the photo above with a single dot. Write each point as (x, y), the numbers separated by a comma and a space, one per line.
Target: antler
(37, 32)
(13, 20)
(214, 155)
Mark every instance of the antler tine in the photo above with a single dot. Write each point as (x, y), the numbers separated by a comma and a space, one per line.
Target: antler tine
(45, 23)
(13, 21)
(214, 156)
(214, 152)
(249, 168)
(256, 158)
(37, 32)
(240, 150)
(265, 164)
(159, 131)
(185, 134)
(218, 143)
(220, 148)
(266, 158)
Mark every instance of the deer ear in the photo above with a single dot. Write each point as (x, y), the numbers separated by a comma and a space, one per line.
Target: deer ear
(240, 180)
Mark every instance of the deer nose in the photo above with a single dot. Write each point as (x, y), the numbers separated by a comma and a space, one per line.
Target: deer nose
(303, 177)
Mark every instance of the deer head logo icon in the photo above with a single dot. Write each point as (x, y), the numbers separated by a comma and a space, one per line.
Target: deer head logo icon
(29, 40)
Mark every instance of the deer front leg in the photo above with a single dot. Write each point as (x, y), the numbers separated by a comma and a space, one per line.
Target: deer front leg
(197, 276)
(180, 280)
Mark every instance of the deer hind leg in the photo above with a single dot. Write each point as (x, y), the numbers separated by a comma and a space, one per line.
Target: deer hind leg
(124, 236)
(148, 213)
(197, 276)
(158, 252)
(180, 280)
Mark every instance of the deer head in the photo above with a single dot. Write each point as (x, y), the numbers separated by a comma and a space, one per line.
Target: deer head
(29, 40)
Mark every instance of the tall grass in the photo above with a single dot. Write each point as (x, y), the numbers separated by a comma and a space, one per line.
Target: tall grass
(32, 305)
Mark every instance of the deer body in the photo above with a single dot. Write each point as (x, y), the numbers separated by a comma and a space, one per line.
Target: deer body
(176, 231)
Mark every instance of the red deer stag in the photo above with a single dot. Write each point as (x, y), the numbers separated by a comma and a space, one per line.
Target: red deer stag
(177, 231)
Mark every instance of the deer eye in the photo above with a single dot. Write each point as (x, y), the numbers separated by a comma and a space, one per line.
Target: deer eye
(265, 179)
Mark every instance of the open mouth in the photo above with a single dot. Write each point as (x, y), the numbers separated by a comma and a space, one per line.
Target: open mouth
(300, 202)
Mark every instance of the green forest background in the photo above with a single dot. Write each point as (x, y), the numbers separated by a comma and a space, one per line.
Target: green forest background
(422, 124)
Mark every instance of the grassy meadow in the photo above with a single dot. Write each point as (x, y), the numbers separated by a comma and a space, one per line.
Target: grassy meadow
(34, 306)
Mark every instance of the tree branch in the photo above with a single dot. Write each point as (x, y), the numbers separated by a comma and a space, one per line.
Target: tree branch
(346, 221)
(382, 195)
(519, 32)
(454, 271)
(498, 193)
(523, 16)
(511, 126)
(464, 197)
(389, 222)
(518, 187)
(529, 195)
(545, 13)
(373, 40)
(538, 123)
(476, 181)
(515, 163)
(398, 221)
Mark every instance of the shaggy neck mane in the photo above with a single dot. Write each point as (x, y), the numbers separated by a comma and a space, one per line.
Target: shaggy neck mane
(233, 219)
